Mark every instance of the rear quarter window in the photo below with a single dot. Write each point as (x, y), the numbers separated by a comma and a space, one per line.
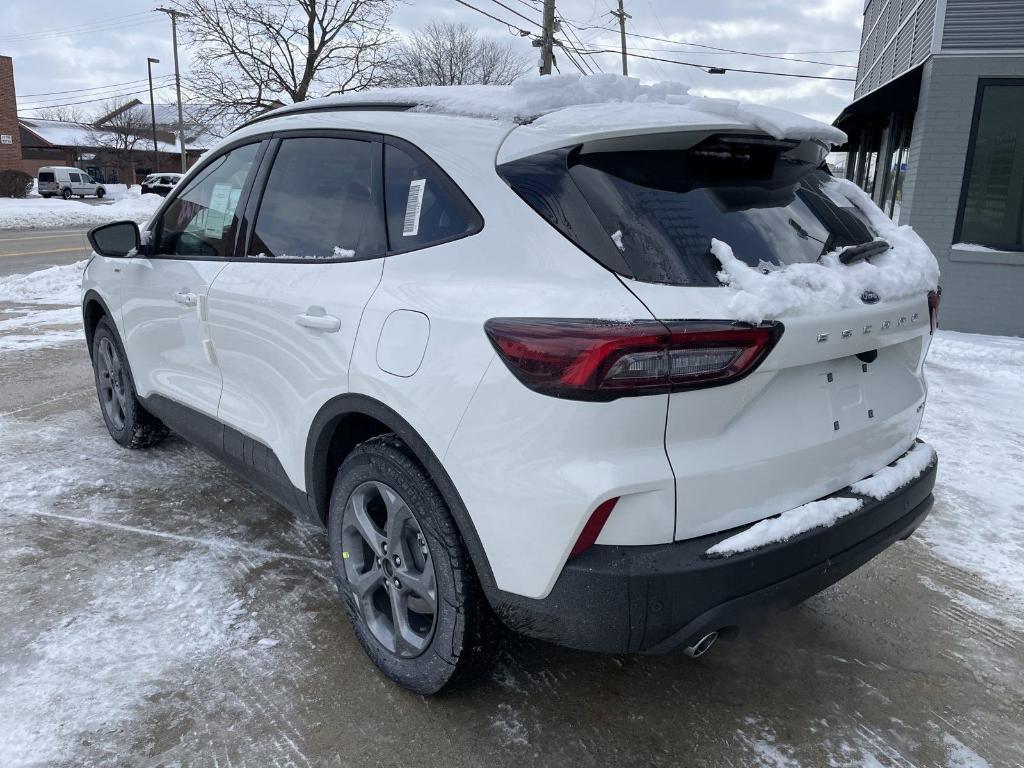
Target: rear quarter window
(423, 206)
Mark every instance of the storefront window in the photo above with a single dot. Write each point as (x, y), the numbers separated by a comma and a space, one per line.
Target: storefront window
(992, 205)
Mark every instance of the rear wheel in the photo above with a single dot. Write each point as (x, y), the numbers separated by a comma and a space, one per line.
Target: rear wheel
(47, 195)
(409, 589)
(66, 194)
(127, 421)
(100, 193)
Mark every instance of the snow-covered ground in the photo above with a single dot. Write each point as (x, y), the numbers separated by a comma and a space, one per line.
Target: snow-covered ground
(43, 213)
(154, 611)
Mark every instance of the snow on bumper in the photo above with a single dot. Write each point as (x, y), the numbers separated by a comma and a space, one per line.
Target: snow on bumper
(825, 512)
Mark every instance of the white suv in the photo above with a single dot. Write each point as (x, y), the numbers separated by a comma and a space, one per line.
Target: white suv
(495, 357)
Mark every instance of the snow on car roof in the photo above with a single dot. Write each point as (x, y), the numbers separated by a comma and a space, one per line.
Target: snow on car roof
(567, 107)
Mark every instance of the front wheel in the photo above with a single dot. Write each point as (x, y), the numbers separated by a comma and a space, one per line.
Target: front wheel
(131, 425)
(100, 193)
(402, 569)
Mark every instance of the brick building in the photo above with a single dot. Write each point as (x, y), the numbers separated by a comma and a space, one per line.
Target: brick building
(937, 138)
(10, 132)
(98, 148)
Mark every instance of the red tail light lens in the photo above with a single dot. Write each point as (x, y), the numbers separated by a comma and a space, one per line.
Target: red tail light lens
(604, 360)
(934, 299)
(593, 527)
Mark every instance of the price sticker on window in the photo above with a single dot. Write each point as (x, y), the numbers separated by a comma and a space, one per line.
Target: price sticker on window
(413, 206)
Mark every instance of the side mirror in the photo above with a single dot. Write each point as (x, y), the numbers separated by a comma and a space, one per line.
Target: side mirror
(119, 239)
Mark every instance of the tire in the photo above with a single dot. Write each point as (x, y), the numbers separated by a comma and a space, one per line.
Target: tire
(47, 195)
(384, 479)
(66, 194)
(129, 424)
(100, 193)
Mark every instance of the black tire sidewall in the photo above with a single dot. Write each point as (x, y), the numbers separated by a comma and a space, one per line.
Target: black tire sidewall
(123, 436)
(430, 671)
(66, 194)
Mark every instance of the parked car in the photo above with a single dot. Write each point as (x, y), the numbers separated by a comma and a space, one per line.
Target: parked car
(160, 183)
(67, 182)
(496, 362)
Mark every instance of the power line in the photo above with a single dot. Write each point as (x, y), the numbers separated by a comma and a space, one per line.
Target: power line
(723, 69)
(579, 45)
(91, 88)
(74, 28)
(783, 55)
(103, 27)
(520, 30)
(106, 93)
(517, 13)
(108, 97)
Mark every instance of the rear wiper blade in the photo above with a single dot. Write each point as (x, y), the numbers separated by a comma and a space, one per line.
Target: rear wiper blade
(863, 251)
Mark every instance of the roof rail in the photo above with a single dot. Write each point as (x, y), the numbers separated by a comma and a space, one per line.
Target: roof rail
(301, 109)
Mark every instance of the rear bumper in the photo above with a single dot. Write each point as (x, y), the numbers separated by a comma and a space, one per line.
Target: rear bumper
(654, 599)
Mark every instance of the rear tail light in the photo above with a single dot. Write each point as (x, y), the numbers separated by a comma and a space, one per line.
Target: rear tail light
(934, 299)
(605, 360)
(593, 527)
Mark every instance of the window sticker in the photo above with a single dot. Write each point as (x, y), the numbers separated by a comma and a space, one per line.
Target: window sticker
(413, 206)
(223, 199)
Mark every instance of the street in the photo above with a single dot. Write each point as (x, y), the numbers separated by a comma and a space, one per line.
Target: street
(159, 612)
(31, 249)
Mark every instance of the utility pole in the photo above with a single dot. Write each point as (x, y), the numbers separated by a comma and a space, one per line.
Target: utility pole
(152, 112)
(547, 40)
(621, 15)
(174, 14)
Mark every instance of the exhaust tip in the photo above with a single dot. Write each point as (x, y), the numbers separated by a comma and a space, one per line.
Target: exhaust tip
(702, 646)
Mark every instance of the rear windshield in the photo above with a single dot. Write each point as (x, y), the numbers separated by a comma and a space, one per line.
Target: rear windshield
(46, 176)
(651, 213)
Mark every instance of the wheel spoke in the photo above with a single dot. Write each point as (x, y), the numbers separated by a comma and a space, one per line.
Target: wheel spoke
(366, 527)
(421, 585)
(365, 584)
(407, 641)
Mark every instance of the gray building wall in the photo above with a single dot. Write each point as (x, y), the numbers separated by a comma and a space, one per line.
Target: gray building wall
(897, 35)
(982, 292)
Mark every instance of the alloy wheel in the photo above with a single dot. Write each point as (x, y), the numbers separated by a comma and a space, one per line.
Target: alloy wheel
(389, 569)
(113, 385)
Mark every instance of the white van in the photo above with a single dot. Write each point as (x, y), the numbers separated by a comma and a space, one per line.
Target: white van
(66, 181)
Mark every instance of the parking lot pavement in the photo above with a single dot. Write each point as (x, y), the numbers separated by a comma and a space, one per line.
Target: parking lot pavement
(156, 611)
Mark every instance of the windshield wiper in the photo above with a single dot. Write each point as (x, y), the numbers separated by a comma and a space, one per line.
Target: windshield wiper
(863, 251)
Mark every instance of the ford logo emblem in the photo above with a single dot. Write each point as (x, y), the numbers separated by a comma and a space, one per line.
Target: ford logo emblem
(870, 297)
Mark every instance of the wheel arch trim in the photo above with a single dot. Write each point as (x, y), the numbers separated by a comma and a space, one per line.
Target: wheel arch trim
(318, 485)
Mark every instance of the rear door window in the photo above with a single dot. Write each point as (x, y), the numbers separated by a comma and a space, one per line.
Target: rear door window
(320, 202)
(46, 177)
(75, 177)
(424, 206)
(203, 219)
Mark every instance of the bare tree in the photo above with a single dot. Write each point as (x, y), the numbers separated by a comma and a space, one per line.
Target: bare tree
(122, 129)
(453, 54)
(67, 114)
(251, 55)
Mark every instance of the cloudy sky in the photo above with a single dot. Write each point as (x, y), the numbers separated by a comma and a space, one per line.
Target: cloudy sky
(61, 47)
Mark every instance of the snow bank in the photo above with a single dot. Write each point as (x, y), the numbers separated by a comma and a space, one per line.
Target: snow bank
(817, 514)
(540, 99)
(53, 285)
(42, 213)
(975, 421)
(908, 269)
(41, 309)
(890, 479)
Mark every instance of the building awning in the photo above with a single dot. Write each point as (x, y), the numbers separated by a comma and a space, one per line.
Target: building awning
(899, 95)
